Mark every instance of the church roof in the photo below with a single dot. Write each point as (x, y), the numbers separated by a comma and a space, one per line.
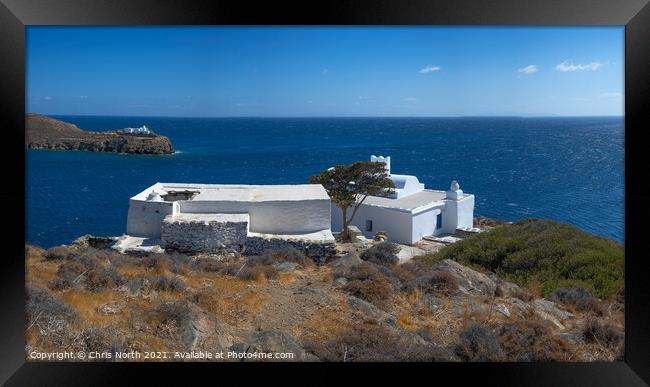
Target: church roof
(411, 203)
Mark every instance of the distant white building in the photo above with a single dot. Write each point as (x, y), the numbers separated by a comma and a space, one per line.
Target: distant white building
(141, 130)
(252, 218)
(412, 212)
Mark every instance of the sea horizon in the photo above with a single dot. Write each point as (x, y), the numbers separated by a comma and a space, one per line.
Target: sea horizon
(334, 116)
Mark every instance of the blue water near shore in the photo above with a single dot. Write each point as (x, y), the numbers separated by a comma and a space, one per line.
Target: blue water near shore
(570, 170)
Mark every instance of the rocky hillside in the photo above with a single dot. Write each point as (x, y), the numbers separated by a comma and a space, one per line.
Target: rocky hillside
(360, 305)
(47, 133)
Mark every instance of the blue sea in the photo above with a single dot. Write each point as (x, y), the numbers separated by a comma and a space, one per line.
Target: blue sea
(570, 170)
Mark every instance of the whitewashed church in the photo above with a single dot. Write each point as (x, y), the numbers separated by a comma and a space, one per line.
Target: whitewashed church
(412, 212)
(253, 218)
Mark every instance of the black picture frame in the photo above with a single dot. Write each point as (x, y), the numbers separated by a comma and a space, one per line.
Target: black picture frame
(15, 15)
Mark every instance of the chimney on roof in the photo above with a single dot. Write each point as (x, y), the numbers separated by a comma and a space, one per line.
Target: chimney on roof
(454, 193)
(382, 159)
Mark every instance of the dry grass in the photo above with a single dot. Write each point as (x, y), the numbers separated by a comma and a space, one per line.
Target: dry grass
(132, 271)
(109, 314)
(535, 288)
(441, 323)
(407, 322)
(41, 273)
(86, 304)
(329, 322)
(229, 298)
(38, 271)
(161, 267)
(288, 277)
(254, 301)
(326, 275)
(374, 342)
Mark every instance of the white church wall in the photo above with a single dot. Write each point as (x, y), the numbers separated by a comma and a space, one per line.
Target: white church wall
(397, 224)
(145, 217)
(466, 211)
(449, 217)
(459, 213)
(424, 223)
(337, 218)
(271, 217)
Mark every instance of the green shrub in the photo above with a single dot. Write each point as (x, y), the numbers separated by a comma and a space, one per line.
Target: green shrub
(210, 265)
(176, 263)
(368, 283)
(578, 297)
(163, 283)
(441, 282)
(524, 340)
(41, 305)
(384, 253)
(373, 342)
(288, 254)
(478, 343)
(257, 272)
(101, 339)
(58, 253)
(85, 272)
(261, 266)
(595, 331)
(102, 279)
(270, 257)
(555, 255)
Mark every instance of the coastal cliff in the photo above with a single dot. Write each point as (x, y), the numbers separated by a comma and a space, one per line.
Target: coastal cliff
(47, 133)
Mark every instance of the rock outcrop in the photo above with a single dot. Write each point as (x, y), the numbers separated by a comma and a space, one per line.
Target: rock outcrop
(369, 310)
(469, 281)
(47, 133)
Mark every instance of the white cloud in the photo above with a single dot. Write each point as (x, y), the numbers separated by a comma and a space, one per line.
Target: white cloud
(611, 95)
(530, 69)
(429, 69)
(569, 66)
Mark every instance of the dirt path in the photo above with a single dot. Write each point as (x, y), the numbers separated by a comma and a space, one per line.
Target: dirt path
(301, 304)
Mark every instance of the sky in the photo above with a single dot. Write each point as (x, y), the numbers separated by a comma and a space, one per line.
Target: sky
(231, 71)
